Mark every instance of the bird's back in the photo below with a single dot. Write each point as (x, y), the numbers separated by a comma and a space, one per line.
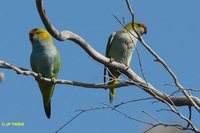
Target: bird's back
(122, 47)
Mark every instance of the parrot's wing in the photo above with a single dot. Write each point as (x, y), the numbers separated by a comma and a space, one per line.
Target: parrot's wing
(109, 43)
(107, 53)
(57, 64)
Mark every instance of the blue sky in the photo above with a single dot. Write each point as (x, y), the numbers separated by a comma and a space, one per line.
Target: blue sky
(173, 32)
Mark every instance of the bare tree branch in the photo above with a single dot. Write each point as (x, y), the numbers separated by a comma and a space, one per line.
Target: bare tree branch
(68, 122)
(168, 101)
(172, 108)
(27, 72)
(114, 108)
(131, 11)
(177, 101)
(183, 90)
(190, 116)
(133, 101)
(151, 116)
(159, 59)
(105, 106)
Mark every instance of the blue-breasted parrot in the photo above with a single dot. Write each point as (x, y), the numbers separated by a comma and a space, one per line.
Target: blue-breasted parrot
(120, 47)
(45, 59)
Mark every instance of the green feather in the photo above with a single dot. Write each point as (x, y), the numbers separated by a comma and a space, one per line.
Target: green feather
(112, 91)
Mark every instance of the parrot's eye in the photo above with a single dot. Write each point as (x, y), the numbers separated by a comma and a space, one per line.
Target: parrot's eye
(37, 32)
(43, 35)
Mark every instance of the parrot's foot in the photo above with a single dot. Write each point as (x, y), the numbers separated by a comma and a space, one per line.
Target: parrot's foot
(127, 67)
(53, 80)
(111, 60)
(38, 76)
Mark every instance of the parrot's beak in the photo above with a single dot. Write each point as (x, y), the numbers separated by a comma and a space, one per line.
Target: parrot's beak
(145, 32)
(32, 33)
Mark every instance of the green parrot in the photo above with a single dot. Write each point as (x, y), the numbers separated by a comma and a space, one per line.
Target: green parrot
(120, 47)
(45, 59)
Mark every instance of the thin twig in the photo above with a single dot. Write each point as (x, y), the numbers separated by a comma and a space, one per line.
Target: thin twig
(175, 110)
(190, 116)
(191, 90)
(126, 115)
(132, 101)
(105, 106)
(131, 118)
(131, 11)
(67, 123)
(27, 72)
(151, 116)
(137, 51)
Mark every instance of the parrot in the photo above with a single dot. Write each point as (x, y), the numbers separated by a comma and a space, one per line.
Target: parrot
(45, 60)
(120, 47)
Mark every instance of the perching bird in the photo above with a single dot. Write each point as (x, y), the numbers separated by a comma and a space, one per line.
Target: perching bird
(120, 47)
(45, 59)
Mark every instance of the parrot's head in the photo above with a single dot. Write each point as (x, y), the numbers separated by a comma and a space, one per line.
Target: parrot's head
(39, 35)
(140, 27)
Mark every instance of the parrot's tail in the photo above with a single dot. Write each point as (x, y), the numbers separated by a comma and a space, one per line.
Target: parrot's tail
(47, 108)
(47, 92)
(112, 91)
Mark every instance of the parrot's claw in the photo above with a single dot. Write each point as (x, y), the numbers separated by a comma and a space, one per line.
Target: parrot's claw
(53, 80)
(39, 76)
(112, 59)
(127, 67)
